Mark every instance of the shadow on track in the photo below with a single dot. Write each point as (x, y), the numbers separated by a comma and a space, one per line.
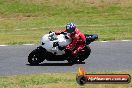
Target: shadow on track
(56, 64)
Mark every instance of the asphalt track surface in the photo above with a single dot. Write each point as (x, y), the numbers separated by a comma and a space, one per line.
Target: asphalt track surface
(105, 56)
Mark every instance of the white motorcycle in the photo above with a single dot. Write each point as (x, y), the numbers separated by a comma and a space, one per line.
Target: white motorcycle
(52, 48)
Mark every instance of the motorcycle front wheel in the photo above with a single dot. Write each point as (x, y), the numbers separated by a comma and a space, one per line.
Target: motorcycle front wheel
(35, 57)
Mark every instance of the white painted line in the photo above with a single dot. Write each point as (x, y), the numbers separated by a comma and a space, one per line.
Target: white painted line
(18, 29)
(125, 40)
(28, 44)
(3, 45)
(104, 41)
(95, 41)
(34, 28)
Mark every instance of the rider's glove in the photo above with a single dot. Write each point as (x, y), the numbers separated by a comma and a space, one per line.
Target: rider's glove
(62, 33)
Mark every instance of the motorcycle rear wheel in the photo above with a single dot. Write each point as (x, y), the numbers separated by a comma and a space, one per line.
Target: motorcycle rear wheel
(81, 56)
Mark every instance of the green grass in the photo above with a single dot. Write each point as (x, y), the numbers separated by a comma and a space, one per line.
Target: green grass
(25, 21)
(54, 80)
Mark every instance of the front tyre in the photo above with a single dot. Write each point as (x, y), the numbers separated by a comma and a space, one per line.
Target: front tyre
(35, 57)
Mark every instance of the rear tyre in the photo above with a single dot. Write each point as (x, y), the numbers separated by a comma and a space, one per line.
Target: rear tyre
(84, 53)
(35, 57)
(81, 55)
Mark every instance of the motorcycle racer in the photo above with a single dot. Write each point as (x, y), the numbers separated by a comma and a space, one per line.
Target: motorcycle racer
(78, 38)
(69, 44)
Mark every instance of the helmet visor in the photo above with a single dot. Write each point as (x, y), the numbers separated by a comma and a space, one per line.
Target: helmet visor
(70, 30)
